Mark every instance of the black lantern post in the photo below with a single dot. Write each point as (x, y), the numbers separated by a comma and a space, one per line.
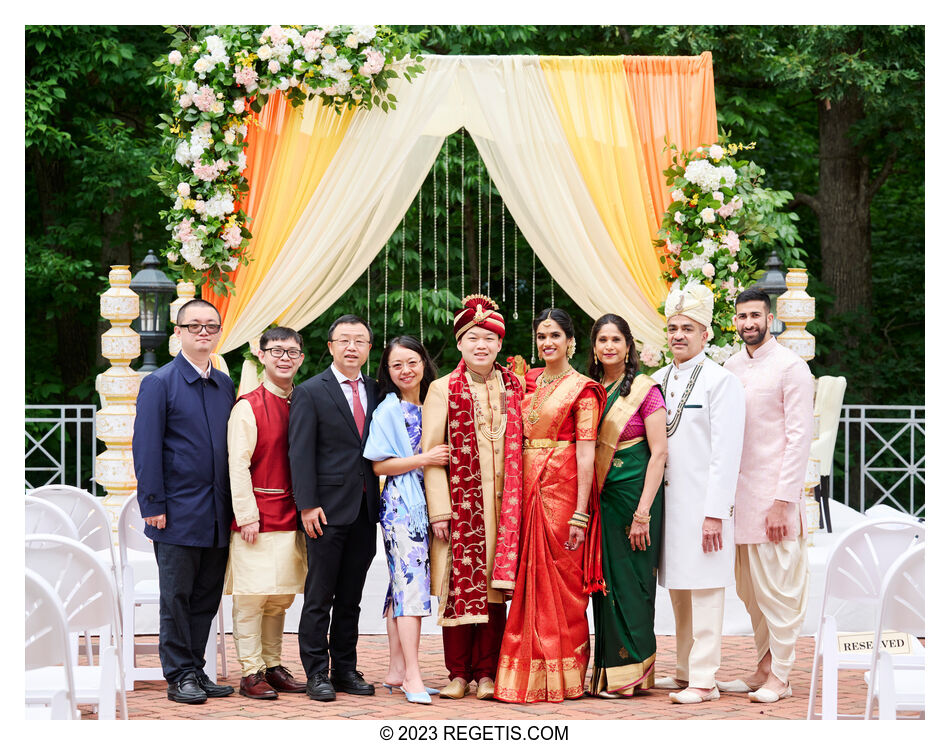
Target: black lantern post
(773, 283)
(155, 291)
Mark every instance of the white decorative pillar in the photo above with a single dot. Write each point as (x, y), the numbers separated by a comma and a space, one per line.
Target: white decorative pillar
(119, 387)
(186, 292)
(796, 308)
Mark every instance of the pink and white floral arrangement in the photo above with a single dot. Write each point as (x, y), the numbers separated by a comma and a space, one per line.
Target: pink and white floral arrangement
(218, 81)
(701, 236)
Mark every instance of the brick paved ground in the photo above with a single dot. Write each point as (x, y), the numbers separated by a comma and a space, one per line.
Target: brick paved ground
(148, 700)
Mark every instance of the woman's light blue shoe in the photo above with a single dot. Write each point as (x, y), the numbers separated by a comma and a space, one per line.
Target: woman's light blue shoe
(417, 698)
(430, 691)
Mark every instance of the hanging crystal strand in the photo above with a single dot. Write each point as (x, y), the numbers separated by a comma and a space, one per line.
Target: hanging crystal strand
(552, 291)
(480, 225)
(386, 294)
(462, 222)
(402, 289)
(446, 164)
(367, 311)
(503, 277)
(534, 267)
(419, 233)
(488, 267)
(435, 228)
(515, 284)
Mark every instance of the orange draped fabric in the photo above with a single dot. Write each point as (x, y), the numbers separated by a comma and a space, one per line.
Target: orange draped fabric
(546, 647)
(262, 137)
(672, 97)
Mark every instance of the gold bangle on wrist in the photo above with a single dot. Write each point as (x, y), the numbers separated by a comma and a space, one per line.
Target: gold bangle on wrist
(577, 524)
(642, 519)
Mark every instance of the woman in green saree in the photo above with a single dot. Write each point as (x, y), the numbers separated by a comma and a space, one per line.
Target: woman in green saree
(628, 470)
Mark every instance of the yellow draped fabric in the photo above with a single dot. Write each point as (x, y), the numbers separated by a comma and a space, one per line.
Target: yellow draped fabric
(671, 97)
(305, 146)
(591, 95)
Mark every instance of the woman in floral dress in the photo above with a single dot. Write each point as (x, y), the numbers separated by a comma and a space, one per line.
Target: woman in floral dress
(405, 372)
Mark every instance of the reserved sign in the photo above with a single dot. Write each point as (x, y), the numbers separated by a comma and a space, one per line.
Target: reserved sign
(894, 642)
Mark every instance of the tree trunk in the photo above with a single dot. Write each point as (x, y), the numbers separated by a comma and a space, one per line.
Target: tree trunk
(844, 207)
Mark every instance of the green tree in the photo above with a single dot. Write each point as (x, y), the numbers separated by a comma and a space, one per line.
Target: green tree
(90, 142)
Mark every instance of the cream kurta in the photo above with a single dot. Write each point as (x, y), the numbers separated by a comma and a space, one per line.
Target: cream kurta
(491, 457)
(779, 422)
(276, 563)
(702, 467)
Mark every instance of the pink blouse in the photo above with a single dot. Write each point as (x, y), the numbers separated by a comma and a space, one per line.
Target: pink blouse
(635, 426)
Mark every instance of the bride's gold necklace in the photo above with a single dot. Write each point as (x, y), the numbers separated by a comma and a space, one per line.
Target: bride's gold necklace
(542, 393)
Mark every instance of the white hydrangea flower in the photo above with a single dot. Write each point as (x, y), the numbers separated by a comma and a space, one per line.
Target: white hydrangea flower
(364, 34)
(183, 153)
(716, 152)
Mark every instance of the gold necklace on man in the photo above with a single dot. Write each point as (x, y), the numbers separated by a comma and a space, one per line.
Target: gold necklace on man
(542, 393)
(485, 427)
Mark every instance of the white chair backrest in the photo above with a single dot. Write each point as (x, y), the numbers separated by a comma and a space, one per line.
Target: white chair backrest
(86, 511)
(863, 555)
(41, 516)
(83, 585)
(829, 395)
(131, 531)
(47, 640)
(903, 599)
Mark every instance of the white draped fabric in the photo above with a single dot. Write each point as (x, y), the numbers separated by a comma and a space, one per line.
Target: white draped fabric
(384, 159)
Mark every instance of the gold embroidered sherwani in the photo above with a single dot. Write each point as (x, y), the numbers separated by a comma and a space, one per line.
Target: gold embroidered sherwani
(488, 394)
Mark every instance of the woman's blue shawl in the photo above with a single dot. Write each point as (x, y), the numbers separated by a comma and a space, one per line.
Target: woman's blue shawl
(389, 438)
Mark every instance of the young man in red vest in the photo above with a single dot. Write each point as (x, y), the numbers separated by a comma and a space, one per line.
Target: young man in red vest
(268, 561)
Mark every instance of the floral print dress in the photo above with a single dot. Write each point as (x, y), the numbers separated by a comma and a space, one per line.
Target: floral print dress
(407, 551)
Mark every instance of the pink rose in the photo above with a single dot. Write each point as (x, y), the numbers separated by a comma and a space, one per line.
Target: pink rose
(273, 66)
(709, 270)
(205, 173)
(726, 210)
(205, 99)
(731, 241)
(246, 76)
(174, 57)
(232, 236)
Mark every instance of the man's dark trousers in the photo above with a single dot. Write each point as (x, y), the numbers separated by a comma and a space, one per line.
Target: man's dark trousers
(344, 554)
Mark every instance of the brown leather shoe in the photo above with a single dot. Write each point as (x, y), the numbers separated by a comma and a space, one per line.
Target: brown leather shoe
(254, 686)
(281, 680)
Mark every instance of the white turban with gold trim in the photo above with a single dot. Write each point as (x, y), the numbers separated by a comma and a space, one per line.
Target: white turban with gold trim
(693, 301)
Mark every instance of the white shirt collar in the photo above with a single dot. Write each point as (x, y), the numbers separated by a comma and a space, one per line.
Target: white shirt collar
(206, 373)
(341, 378)
(691, 362)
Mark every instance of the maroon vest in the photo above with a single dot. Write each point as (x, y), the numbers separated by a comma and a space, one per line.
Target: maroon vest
(270, 462)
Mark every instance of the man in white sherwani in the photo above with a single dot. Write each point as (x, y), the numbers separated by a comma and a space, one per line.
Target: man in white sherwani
(705, 408)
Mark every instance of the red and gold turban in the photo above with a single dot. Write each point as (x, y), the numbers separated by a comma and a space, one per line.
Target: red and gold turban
(479, 310)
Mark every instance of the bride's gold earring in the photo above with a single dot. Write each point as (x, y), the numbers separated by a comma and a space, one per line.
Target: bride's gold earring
(571, 348)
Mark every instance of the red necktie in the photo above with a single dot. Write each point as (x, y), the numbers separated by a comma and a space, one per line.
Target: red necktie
(358, 414)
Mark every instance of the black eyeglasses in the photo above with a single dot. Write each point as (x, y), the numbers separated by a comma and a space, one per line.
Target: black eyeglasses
(277, 352)
(195, 328)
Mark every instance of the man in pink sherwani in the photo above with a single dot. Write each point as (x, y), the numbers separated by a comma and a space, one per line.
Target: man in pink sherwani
(770, 527)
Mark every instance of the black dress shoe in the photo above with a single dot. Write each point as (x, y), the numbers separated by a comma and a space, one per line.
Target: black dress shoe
(319, 688)
(352, 682)
(212, 689)
(186, 691)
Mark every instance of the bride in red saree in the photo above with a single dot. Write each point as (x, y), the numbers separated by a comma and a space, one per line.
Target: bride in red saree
(546, 647)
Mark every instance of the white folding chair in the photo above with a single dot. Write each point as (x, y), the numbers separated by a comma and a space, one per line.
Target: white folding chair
(48, 657)
(41, 516)
(854, 575)
(88, 596)
(93, 525)
(145, 592)
(896, 682)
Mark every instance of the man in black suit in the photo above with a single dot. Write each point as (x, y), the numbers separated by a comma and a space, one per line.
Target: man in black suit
(337, 494)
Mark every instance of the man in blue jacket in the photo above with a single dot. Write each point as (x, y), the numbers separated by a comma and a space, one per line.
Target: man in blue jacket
(179, 446)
